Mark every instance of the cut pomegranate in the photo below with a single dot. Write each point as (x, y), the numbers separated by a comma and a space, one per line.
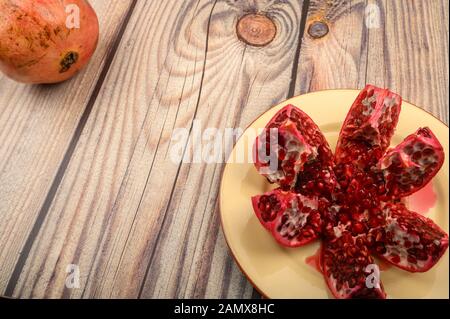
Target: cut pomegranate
(408, 240)
(292, 150)
(368, 128)
(351, 200)
(293, 219)
(412, 164)
(345, 262)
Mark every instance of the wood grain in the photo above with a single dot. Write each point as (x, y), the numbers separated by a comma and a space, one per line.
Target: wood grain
(339, 59)
(401, 44)
(137, 224)
(37, 124)
(134, 222)
(411, 49)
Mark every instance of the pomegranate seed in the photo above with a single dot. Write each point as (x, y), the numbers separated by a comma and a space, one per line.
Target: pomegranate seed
(366, 203)
(343, 218)
(395, 259)
(356, 216)
(428, 152)
(282, 154)
(381, 249)
(412, 259)
(357, 228)
(416, 156)
(310, 185)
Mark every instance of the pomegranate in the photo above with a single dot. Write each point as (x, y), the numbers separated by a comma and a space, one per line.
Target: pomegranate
(412, 164)
(345, 262)
(369, 127)
(408, 240)
(293, 152)
(346, 255)
(46, 41)
(355, 195)
(293, 219)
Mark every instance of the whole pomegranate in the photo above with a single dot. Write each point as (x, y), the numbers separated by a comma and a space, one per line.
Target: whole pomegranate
(46, 41)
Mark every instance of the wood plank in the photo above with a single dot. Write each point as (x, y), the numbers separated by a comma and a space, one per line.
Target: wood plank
(137, 224)
(411, 50)
(37, 124)
(401, 44)
(339, 58)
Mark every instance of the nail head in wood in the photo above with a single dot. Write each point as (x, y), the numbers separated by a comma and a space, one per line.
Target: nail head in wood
(256, 29)
(318, 29)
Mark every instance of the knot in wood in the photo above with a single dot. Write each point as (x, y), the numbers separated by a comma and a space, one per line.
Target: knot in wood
(256, 29)
(318, 29)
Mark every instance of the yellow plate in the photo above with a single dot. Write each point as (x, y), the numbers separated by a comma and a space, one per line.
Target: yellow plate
(278, 272)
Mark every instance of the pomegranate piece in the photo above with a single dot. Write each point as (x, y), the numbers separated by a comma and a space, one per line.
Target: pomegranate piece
(292, 151)
(281, 150)
(369, 127)
(408, 240)
(412, 164)
(349, 269)
(292, 219)
(38, 44)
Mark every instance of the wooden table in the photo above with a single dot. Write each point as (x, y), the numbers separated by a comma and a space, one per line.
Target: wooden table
(85, 177)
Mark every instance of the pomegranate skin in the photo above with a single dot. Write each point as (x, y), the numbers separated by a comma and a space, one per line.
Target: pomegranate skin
(36, 45)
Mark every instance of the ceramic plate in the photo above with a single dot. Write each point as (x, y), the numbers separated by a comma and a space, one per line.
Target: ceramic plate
(278, 272)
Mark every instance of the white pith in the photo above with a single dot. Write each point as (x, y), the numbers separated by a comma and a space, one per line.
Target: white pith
(369, 129)
(295, 148)
(367, 103)
(339, 229)
(399, 238)
(407, 162)
(388, 103)
(297, 219)
(273, 177)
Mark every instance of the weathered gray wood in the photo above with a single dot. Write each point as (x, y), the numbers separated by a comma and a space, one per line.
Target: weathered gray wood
(37, 125)
(401, 44)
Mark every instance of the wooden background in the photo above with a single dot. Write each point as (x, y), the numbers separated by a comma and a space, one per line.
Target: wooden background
(84, 173)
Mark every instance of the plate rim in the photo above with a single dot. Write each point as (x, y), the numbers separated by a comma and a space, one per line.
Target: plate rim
(259, 290)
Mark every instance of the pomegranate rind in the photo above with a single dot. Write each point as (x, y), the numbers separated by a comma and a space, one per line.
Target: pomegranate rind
(282, 198)
(292, 219)
(282, 143)
(317, 177)
(368, 127)
(408, 240)
(412, 164)
(311, 171)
